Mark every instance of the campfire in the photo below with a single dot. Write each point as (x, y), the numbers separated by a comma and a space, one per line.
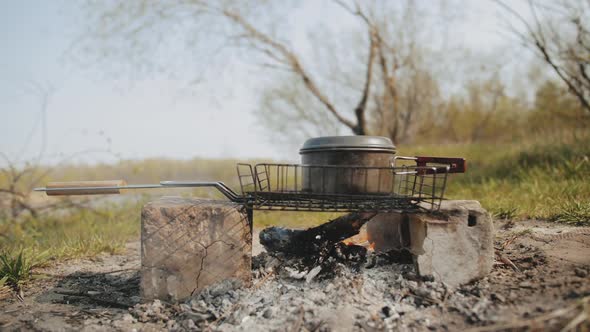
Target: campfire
(395, 232)
(188, 244)
(317, 250)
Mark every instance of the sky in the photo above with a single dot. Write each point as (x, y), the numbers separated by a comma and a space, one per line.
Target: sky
(155, 116)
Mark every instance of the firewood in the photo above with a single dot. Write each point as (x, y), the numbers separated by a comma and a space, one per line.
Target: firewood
(313, 240)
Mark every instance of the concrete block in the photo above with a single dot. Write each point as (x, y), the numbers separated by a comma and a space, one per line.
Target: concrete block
(456, 245)
(189, 243)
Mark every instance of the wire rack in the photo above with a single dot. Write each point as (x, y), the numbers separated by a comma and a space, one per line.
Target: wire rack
(295, 187)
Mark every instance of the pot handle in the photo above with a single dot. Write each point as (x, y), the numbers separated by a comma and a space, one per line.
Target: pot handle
(456, 165)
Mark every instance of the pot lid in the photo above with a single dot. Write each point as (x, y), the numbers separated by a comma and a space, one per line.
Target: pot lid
(353, 143)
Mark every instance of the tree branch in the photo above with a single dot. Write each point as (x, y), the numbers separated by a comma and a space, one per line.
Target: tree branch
(390, 88)
(360, 109)
(579, 94)
(292, 60)
(535, 36)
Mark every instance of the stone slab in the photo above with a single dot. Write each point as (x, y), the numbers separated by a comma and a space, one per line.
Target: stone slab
(189, 243)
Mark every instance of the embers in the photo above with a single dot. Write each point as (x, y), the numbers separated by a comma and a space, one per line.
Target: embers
(319, 251)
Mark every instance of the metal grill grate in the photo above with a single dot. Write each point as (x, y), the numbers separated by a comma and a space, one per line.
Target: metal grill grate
(294, 187)
(268, 186)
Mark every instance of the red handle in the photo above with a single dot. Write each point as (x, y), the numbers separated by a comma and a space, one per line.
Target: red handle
(457, 165)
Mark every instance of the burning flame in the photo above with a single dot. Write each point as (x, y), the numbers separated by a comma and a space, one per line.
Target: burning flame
(361, 239)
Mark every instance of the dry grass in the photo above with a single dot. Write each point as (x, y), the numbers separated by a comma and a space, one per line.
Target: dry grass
(512, 181)
(5, 289)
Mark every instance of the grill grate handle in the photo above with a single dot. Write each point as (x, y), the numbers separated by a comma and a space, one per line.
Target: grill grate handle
(115, 187)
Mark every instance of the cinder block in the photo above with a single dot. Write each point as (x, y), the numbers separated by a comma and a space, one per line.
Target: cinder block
(456, 245)
(189, 243)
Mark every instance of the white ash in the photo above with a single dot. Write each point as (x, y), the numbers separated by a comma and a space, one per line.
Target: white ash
(387, 296)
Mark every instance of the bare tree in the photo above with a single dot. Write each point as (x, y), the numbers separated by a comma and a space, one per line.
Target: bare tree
(485, 99)
(283, 56)
(15, 177)
(20, 174)
(379, 90)
(403, 84)
(559, 32)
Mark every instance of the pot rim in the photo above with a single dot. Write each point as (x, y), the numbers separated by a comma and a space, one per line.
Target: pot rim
(348, 143)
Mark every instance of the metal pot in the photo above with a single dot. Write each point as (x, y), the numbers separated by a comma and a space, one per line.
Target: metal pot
(322, 156)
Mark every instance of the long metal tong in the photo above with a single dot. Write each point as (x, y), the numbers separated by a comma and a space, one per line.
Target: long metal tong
(115, 187)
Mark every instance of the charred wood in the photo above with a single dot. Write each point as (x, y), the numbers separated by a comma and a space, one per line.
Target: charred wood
(315, 240)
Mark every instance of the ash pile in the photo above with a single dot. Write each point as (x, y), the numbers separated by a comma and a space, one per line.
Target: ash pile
(370, 293)
(311, 281)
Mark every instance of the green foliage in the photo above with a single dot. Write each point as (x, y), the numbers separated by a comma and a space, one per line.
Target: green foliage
(574, 213)
(14, 269)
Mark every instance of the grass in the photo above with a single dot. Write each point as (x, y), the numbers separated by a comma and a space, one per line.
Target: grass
(573, 213)
(263, 219)
(523, 181)
(14, 270)
(35, 242)
(4, 288)
(512, 181)
(73, 234)
(505, 213)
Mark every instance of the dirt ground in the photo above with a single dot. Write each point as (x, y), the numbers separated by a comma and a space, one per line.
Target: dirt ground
(541, 279)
